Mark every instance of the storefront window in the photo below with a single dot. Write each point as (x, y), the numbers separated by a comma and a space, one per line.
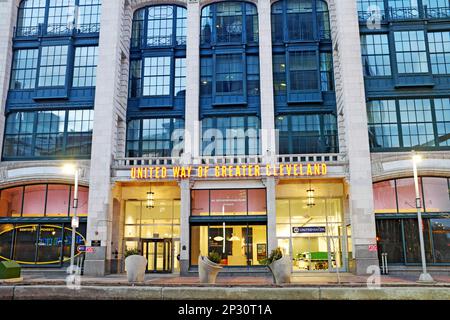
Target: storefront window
(34, 200)
(25, 243)
(406, 195)
(11, 202)
(389, 237)
(229, 202)
(238, 245)
(59, 200)
(436, 194)
(440, 229)
(6, 237)
(384, 197)
(411, 233)
(49, 244)
(83, 197)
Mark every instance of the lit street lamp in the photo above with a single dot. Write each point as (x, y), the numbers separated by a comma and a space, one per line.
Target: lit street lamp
(424, 276)
(71, 169)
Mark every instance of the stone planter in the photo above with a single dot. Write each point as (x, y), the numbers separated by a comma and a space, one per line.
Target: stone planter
(135, 266)
(281, 270)
(207, 270)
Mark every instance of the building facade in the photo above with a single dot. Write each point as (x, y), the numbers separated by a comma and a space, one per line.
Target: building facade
(226, 127)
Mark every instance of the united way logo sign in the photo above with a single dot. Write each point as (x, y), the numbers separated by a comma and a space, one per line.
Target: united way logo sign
(308, 229)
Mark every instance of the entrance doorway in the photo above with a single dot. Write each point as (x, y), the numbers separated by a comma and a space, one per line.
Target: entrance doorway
(158, 253)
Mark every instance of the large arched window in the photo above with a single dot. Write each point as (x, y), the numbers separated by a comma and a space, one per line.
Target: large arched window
(38, 17)
(157, 81)
(229, 77)
(305, 101)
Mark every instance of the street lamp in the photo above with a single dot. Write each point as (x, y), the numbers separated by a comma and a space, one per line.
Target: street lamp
(71, 169)
(424, 276)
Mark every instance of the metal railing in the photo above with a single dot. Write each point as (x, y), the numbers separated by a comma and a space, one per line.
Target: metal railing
(122, 163)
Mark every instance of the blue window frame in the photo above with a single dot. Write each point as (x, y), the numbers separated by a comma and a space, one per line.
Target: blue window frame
(156, 76)
(307, 133)
(409, 123)
(279, 73)
(23, 74)
(303, 71)
(439, 46)
(135, 84)
(326, 72)
(55, 17)
(229, 22)
(375, 55)
(48, 134)
(180, 76)
(370, 8)
(155, 137)
(229, 74)
(53, 66)
(411, 51)
(230, 136)
(85, 66)
(436, 8)
(403, 9)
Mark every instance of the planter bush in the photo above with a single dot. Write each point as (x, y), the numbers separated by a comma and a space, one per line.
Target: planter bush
(279, 265)
(208, 267)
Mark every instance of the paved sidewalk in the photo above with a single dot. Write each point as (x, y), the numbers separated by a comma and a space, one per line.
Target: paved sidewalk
(346, 279)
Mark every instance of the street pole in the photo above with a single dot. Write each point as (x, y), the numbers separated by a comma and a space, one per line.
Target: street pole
(424, 276)
(74, 223)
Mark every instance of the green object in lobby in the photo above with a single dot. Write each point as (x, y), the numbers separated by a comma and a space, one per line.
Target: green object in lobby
(319, 255)
(9, 270)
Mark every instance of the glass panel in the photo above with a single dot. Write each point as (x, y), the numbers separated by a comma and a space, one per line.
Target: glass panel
(411, 52)
(31, 15)
(412, 243)
(53, 65)
(375, 55)
(132, 212)
(228, 202)
(303, 70)
(257, 204)
(407, 196)
(436, 194)
(57, 200)
(160, 25)
(49, 244)
(200, 203)
(229, 25)
(23, 73)
(88, 20)
(6, 237)
(34, 200)
(83, 201)
(157, 76)
(310, 252)
(85, 66)
(229, 74)
(161, 213)
(389, 237)
(79, 240)
(25, 243)
(384, 197)
(440, 229)
(282, 210)
(11, 202)
(61, 16)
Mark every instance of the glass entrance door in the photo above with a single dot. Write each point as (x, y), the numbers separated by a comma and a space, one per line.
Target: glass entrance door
(159, 255)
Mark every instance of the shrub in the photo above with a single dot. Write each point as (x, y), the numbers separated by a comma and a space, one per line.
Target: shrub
(276, 254)
(215, 257)
(131, 252)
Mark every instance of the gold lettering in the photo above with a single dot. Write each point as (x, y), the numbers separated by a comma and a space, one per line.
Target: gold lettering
(257, 171)
(268, 170)
(324, 169)
(316, 169)
(163, 172)
(309, 170)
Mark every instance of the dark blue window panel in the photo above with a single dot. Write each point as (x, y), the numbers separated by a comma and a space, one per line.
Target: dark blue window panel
(155, 137)
(230, 136)
(307, 133)
(303, 71)
(229, 22)
(48, 134)
(229, 74)
(439, 46)
(85, 67)
(442, 110)
(88, 16)
(411, 53)
(371, 9)
(382, 122)
(31, 16)
(375, 55)
(135, 83)
(53, 66)
(24, 68)
(403, 9)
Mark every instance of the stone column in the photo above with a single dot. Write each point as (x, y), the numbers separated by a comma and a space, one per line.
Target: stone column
(272, 242)
(8, 14)
(192, 127)
(185, 212)
(351, 103)
(268, 143)
(107, 102)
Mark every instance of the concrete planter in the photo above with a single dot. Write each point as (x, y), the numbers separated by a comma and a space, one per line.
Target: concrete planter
(281, 270)
(135, 266)
(207, 270)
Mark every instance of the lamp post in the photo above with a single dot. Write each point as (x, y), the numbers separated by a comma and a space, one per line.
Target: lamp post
(71, 169)
(424, 276)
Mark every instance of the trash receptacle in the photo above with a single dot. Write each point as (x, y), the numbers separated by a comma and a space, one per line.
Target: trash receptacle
(9, 270)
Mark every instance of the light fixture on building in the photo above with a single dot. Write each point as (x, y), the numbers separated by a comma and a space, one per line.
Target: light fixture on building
(150, 199)
(310, 196)
(234, 238)
(218, 238)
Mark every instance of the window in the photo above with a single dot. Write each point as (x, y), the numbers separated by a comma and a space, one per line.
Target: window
(375, 55)
(253, 75)
(403, 9)
(59, 17)
(85, 67)
(408, 123)
(156, 76)
(303, 70)
(439, 44)
(23, 75)
(229, 74)
(279, 73)
(326, 71)
(436, 8)
(233, 22)
(206, 70)
(53, 66)
(303, 20)
(89, 16)
(161, 137)
(442, 110)
(160, 25)
(411, 52)
(31, 16)
(48, 134)
(383, 127)
(180, 76)
(230, 136)
(417, 126)
(137, 33)
(307, 133)
(135, 86)
(370, 8)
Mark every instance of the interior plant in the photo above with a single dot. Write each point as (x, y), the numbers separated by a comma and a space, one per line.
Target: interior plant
(215, 257)
(130, 252)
